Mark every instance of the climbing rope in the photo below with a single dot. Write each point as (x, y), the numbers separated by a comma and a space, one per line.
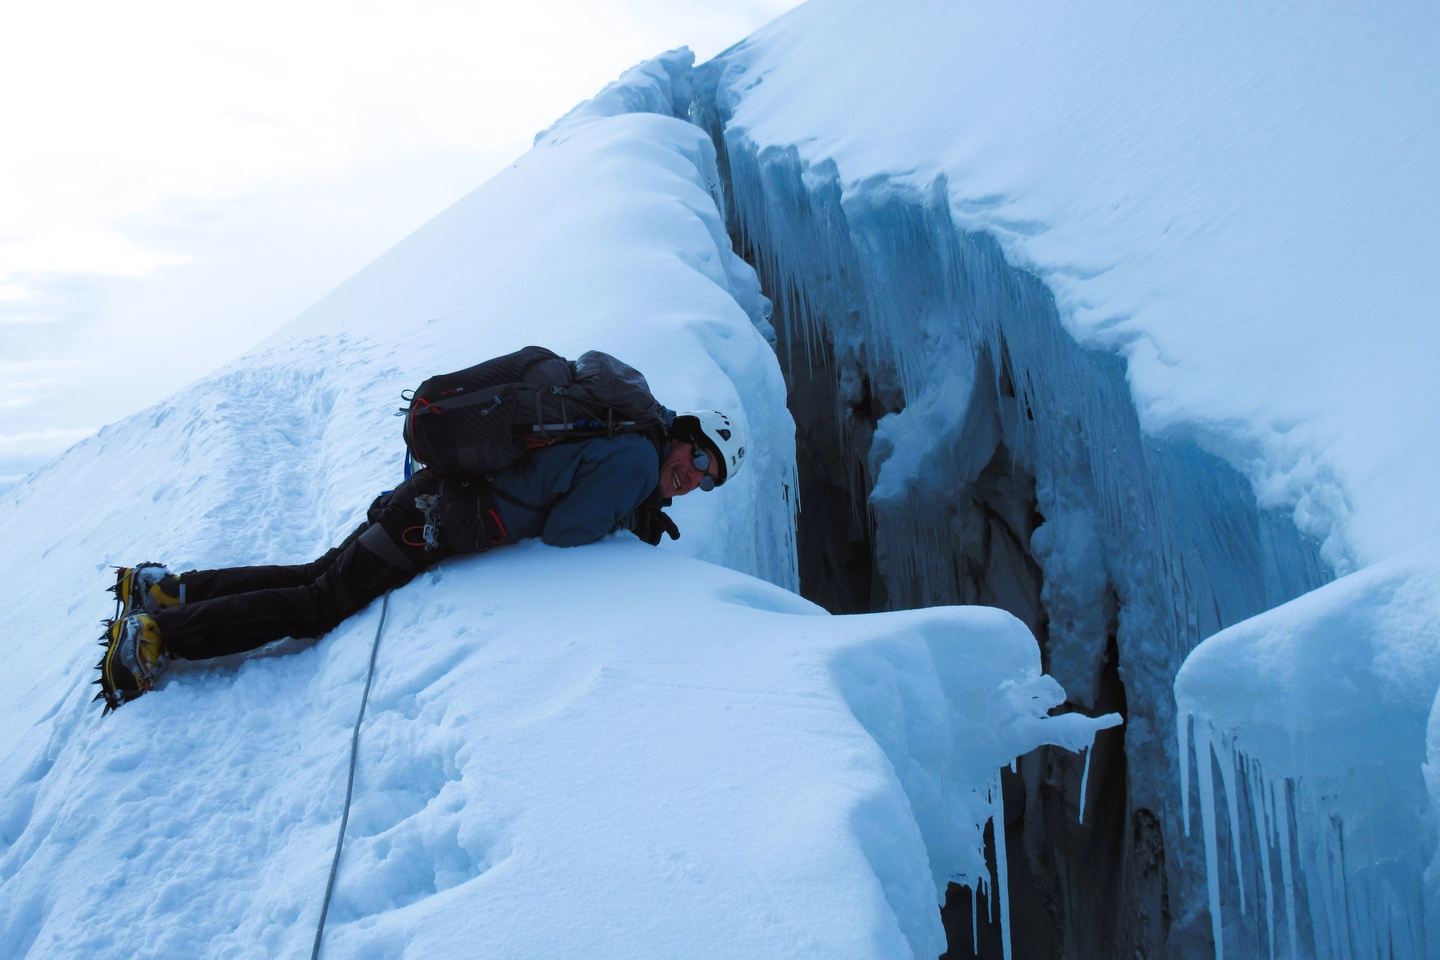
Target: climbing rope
(350, 783)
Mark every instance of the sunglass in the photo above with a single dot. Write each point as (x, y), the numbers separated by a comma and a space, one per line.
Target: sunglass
(701, 460)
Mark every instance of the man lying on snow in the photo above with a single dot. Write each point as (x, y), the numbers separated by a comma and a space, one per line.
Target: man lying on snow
(525, 445)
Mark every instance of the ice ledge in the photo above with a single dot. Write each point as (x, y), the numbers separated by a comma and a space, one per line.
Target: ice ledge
(1319, 717)
(951, 695)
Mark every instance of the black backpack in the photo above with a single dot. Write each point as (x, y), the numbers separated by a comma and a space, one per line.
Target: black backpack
(483, 418)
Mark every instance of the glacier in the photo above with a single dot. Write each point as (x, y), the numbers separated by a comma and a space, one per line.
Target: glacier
(612, 750)
(1122, 320)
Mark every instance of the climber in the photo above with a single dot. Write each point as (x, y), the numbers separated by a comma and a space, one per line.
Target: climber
(566, 494)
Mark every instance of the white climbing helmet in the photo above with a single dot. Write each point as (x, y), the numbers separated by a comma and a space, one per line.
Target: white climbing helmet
(719, 431)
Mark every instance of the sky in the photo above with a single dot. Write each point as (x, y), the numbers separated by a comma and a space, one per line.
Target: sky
(180, 178)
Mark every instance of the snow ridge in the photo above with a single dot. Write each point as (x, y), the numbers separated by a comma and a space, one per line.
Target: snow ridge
(747, 774)
(660, 85)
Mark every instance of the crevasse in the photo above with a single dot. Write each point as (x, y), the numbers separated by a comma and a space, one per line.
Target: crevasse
(957, 446)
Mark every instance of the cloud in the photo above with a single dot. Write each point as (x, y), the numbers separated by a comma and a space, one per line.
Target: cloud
(18, 395)
(76, 246)
(26, 318)
(52, 319)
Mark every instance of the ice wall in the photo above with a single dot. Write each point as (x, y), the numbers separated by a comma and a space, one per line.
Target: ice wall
(1312, 728)
(956, 445)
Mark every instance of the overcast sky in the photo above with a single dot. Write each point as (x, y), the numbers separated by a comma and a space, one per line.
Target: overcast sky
(179, 178)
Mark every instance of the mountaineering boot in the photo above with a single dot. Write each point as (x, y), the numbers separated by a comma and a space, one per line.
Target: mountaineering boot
(145, 588)
(134, 659)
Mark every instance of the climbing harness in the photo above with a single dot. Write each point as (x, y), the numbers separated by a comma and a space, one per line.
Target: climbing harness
(429, 505)
(350, 782)
(462, 518)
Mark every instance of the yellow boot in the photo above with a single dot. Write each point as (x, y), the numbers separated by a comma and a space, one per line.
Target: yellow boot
(135, 657)
(145, 588)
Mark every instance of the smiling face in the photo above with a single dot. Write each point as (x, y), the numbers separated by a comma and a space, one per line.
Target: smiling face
(678, 475)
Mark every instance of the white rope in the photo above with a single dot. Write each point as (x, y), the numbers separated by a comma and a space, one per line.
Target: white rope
(350, 783)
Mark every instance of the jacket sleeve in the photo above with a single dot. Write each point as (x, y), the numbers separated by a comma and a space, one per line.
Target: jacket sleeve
(612, 479)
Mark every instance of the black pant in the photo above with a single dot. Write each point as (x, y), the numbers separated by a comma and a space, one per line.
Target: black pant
(240, 608)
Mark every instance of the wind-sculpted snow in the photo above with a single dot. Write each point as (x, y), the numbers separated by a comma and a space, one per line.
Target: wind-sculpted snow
(608, 751)
(1239, 202)
(661, 85)
(1317, 718)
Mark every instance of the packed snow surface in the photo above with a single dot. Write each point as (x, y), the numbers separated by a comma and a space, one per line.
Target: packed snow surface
(1242, 200)
(608, 751)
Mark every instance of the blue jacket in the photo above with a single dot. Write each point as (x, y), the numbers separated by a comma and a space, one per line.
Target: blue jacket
(576, 493)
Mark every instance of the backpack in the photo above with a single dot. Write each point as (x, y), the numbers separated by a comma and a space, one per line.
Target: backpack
(483, 418)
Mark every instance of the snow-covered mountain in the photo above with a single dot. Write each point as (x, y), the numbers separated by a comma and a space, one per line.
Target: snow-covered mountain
(1121, 321)
(608, 751)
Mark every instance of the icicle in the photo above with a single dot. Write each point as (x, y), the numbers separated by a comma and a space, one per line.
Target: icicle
(1313, 869)
(975, 920)
(1002, 872)
(1335, 893)
(1414, 921)
(1182, 729)
(1348, 904)
(1232, 808)
(1371, 931)
(1206, 784)
(990, 898)
(1084, 780)
(1287, 870)
(1255, 794)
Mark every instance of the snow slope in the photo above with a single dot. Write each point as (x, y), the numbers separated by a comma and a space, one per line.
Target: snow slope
(612, 750)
